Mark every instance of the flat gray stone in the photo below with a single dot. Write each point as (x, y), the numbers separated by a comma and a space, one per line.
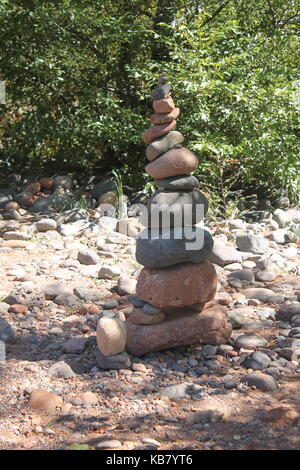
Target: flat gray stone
(262, 294)
(51, 203)
(117, 361)
(174, 392)
(243, 275)
(182, 183)
(223, 254)
(250, 341)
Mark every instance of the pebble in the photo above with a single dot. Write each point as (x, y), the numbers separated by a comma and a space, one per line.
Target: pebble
(109, 272)
(249, 341)
(108, 444)
(263, 382)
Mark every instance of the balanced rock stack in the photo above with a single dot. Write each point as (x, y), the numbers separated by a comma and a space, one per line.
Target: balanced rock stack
(177, 284)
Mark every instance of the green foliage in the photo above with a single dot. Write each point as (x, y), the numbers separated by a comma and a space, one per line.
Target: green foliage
(79, 74)
(78, 446)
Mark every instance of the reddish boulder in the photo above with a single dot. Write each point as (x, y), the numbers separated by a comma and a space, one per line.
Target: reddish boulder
(211, 326)
(89, 309)
(161, 118)
(12, 205)
(28, 201)
(172, 163)
(180, 285)
(46, 183)
(166, 105)
(157, 131)
(18, 309)
(32, 188)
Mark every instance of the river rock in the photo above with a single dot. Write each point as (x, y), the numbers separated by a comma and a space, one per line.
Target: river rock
(161, 118)
(88, 257)
(252, 243)
(172, 163)
(263, 382)
(265, 276)
(7, 334)
(126, 285)
(50, 203)
(288, 311)
(46, 183)
(157, 131)
(211, 326)
(263, 295)
(111, 336)
(280, 236)
(115, 362)
(224, 254)
(169, 208)
(30, 296)
(64, 182)
(44, 401)
(44, 225)
(250, 341)
(163, 144)
(139, 317)
(17, 236)
(282, 217)
(257, 361)
(157, 252)
(178, 286)
(179, 183)
(165, 105)
(61, 370)
(243, 275)
(162, 91)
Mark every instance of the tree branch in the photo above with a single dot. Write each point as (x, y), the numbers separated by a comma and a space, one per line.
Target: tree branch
(218, 10)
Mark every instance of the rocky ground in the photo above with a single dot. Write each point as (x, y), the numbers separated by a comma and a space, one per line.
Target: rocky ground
(60, 275)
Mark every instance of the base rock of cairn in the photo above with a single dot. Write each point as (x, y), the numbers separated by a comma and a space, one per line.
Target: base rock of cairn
(211, 326)
(174, 303)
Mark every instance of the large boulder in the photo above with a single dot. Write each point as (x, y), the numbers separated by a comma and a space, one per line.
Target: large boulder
(211, 326)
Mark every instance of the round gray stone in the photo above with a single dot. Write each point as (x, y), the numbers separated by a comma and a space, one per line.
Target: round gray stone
(157, 252)
(169, 208)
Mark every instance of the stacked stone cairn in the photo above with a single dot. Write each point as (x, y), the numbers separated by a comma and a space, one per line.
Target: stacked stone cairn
(174, 303)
